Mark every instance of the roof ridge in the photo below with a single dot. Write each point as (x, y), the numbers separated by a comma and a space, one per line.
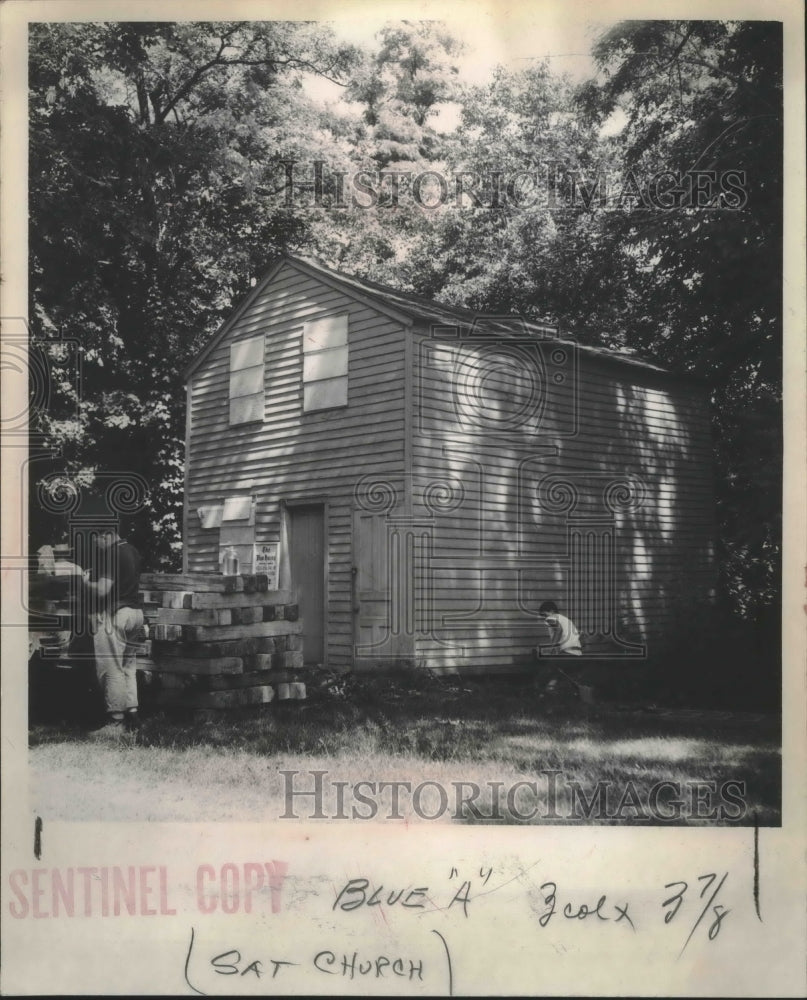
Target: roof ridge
(422, 300)
(408, 307)
(627, 357)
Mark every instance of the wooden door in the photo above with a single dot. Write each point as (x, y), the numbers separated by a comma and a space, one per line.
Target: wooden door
(371, 597)
(307, 562)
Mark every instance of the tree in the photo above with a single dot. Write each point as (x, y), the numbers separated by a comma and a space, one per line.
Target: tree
(515, 235)
(156, 192)
(703, 101)
(400, 87)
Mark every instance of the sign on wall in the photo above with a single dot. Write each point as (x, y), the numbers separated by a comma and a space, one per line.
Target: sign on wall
(265, 560)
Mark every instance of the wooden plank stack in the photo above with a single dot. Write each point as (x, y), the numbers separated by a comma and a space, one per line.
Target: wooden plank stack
(220, 642)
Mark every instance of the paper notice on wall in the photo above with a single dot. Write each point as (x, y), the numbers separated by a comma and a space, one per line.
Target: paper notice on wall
(265, 561)
(210, 517)
(237, 509)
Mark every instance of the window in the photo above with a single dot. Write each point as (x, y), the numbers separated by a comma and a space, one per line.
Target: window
(246, 381)
(325, 363)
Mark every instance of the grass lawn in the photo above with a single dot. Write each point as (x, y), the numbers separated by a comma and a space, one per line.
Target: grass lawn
(226, 767)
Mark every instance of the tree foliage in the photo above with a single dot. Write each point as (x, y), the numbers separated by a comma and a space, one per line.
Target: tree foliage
(706, 96)
(156, 159)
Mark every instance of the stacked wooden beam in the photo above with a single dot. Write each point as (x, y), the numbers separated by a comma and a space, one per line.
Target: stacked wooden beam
(220, 641)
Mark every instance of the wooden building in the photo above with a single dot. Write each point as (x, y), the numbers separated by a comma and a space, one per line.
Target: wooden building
(425, 477)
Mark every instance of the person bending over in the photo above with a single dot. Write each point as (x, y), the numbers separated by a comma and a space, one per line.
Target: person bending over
(564, 642)
(565, 636)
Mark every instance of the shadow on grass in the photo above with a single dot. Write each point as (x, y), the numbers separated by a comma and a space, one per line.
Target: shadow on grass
(507, 725)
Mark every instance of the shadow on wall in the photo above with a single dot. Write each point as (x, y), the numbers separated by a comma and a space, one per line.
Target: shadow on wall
(633, 488)
(613, 518)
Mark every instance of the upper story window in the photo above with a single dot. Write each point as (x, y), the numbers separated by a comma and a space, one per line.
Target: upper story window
(325, 363)
(246, 380)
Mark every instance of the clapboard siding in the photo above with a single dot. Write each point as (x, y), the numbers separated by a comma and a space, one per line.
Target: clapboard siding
(292, 455)
(485, 493)
(498, 548)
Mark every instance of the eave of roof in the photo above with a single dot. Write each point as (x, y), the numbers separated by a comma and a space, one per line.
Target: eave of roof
(409, 309)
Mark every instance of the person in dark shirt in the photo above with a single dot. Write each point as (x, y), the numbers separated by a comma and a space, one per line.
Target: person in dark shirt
(116, 623)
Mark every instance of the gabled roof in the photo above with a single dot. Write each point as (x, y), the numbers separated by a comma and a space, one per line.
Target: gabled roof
(405, 308)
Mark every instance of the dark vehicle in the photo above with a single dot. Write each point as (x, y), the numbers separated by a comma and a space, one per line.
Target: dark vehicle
(61, 668)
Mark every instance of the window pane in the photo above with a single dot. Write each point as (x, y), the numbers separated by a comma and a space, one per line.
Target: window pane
(246, 381)
(330, 331)
(325, 394)
(244, 409)
(325, 364)
(246, 353)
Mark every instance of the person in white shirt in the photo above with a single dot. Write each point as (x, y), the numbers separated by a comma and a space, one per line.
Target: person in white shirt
(564, 642)
(565, 636)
